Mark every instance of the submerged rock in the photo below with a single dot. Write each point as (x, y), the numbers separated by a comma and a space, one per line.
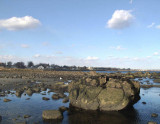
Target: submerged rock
(151, 122)
(104, 94)
(6, 100)
(52, 114)
(154, 115)
(0, 118)
(27, 116)
(45, 98)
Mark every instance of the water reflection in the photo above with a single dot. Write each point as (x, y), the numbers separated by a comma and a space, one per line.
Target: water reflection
(129, 116)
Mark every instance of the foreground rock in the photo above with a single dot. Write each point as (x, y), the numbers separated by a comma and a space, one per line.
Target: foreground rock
(151, 122)
(102, 93)
(52, 115)
(6, 100)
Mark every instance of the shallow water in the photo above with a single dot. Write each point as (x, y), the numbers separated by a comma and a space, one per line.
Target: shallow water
(139, 114)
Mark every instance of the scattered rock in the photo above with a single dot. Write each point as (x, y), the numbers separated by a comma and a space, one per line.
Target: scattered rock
(55, 96)
(63, 108)
(6, 100)
(144, 103)
(29, 92)
(154, 115)
(66, 99)
(45, 98)
(27, 98)
(52, 114)
(21, 122)
(151, 122)
(27, 116)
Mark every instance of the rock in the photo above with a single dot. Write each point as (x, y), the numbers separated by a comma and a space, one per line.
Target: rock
(154, 115)
(27, 116)
(151, 122)
(36, 89)
(55, 96)
(144, 103)
(21, 122)
(66, 99)
(43, 89)
(52, 114)
(45, 98)
(156, 80)
(19, 93)
(27, 98)
(0, 118)
(6, 100)
(62, 108)
(112, 94)
(29, 92)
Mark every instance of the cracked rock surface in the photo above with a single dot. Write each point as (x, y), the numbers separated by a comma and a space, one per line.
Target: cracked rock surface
(103, 93)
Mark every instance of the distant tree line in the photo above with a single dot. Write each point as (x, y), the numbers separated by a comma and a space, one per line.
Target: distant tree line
(45, 66)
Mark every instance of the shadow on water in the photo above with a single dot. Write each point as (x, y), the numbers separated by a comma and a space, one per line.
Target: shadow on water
(129, 116)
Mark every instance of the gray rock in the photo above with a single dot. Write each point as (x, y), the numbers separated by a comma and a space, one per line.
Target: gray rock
(112, 95)
(52, 114)
(63, 108)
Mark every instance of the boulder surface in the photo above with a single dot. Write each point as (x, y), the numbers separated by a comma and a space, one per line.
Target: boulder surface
(103, 93)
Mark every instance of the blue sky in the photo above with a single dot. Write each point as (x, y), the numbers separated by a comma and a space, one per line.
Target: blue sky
(106, 33)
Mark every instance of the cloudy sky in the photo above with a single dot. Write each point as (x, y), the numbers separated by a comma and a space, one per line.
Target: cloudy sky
(106, 33)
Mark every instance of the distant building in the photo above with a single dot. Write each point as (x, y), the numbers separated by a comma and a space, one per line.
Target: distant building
(40, 67)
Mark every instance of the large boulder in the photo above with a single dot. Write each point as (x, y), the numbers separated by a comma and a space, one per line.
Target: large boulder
(104, 94)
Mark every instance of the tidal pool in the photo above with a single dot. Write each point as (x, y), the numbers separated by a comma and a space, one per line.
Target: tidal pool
(18, 107)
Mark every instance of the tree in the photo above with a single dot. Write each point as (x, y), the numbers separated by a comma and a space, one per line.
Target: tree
(20, 65)
(30, 64)
(9, 64)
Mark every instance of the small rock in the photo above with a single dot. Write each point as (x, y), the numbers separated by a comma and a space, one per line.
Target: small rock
(143, 102)
(27, 98)
(0, 118)
(43, 93)
(45, 98)
(27, 116)
(151, 122)
(62, 108)
(65, 100)
(21, 122)
(154, 115)
(52, 114)
(6, 100)
(55, 96)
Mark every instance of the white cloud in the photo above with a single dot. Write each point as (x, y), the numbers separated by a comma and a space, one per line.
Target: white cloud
(151, 25)
(156, 53)
(120, 19)
(24, 46)
(92, 58)
(118, 48)
(19, 23)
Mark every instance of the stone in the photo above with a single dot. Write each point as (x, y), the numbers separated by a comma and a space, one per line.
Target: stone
(27, 116)
(6, 100)
(66, 99)
(29, 92)
(111, 94)
(52, 114)
(154, 115)
(55, 96)
(151, 122)
(144, 103)
(45, 98)
(63, 108)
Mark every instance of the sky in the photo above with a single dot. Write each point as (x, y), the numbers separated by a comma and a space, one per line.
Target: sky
(98, 33)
